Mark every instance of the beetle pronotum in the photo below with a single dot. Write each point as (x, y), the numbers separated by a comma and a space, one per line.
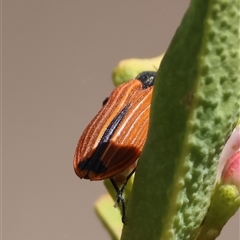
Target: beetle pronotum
(114, 139)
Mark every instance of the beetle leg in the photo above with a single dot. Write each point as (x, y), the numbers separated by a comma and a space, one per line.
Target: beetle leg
(120, 197)
(105, 101)
(127, 178)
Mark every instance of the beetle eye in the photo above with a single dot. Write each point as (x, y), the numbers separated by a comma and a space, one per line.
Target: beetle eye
(147, 78)
(105, 101)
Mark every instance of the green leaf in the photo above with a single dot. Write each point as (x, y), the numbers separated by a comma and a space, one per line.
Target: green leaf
(109, 216)
(225, 202)
(192, 114)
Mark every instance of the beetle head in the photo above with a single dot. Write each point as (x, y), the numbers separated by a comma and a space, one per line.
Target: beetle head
(147, 78)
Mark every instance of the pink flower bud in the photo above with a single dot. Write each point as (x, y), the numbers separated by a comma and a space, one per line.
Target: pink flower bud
(231, 171)
(231, 146)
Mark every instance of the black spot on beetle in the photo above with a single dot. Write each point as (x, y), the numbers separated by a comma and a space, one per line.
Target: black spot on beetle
(94, 163)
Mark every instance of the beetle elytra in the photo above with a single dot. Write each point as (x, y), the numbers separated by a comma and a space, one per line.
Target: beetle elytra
(114, 139)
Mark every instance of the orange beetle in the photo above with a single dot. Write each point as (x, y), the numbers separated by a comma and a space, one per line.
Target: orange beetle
(114, 139)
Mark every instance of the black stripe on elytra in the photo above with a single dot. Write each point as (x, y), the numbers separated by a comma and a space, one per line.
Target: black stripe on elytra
(94, 163)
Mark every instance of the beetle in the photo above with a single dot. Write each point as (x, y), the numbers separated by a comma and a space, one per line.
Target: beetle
(114, 139)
